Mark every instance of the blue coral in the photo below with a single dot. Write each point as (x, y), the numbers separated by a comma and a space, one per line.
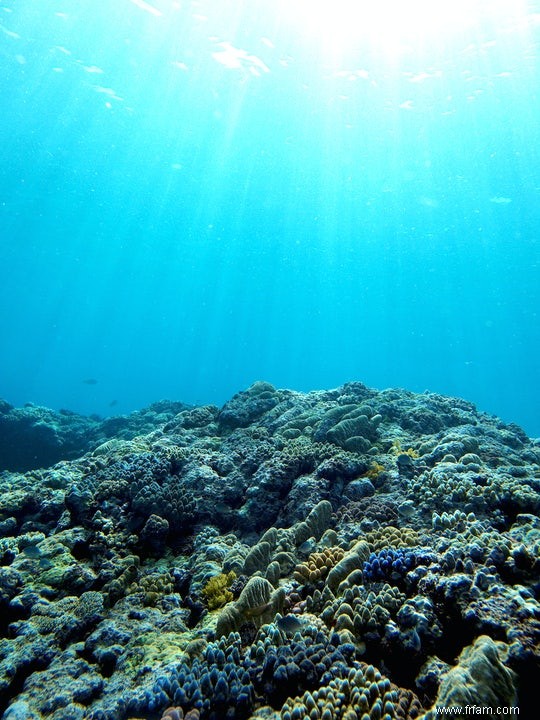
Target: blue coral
(302, 664)
(225, 682)
(392, 565)
(217, 686)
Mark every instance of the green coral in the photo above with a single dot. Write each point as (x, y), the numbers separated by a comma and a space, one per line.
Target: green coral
(216, 591)
(152, 587)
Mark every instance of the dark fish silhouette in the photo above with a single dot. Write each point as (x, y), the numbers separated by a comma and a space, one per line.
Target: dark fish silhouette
(257, 611)
(290, 624)
(89, 381)
(32, 551)
(113, 403)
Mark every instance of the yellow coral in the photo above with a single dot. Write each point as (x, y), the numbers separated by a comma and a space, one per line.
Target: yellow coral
(216, 591)
(374, 471)
(396, 449)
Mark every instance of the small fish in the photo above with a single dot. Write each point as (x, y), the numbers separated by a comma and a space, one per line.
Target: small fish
(113, 403)
(257, 610)
(222, 508)
(196, 648)
(89, 381)
(307, 547)
(32, 551)
(290, 624)
(406, 509)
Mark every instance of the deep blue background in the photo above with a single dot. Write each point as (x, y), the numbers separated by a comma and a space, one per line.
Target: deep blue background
(304, 209)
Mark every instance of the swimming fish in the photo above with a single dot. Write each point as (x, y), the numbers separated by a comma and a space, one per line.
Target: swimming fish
(290, 624)
(89, 381)
(32, 551)
(257, 610)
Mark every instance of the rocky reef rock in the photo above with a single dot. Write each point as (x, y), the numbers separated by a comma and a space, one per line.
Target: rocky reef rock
(36, 437)
(336, 554)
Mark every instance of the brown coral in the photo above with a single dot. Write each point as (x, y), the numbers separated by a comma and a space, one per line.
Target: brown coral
(318, 565)
(371, 508)
(391, 536)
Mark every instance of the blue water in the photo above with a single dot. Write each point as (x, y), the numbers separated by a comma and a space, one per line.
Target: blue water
(197, 195)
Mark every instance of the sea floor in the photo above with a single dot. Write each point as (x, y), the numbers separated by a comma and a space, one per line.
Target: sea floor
(351, 554)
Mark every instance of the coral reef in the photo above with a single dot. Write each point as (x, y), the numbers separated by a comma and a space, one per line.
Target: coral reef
(34, 437)
(335, 554)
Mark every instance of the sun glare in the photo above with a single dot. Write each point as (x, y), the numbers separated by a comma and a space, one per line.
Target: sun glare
(390, 24)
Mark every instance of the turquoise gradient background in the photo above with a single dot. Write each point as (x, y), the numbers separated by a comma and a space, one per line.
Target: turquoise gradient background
(198, 195)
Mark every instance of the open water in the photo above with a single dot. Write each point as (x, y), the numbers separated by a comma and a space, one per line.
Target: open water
(198, 195)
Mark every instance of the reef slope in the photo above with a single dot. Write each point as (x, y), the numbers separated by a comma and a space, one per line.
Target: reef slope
(350, 553)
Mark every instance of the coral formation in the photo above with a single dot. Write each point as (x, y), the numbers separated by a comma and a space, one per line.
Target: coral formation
(217, 590)
(334, 554)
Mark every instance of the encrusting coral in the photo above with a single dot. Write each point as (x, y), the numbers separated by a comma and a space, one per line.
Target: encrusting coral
(337, 554)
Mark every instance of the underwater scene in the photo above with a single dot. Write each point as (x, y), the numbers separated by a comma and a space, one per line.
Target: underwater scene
(269, 369)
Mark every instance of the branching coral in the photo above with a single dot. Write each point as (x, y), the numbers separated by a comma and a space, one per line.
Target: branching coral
(217, 592)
